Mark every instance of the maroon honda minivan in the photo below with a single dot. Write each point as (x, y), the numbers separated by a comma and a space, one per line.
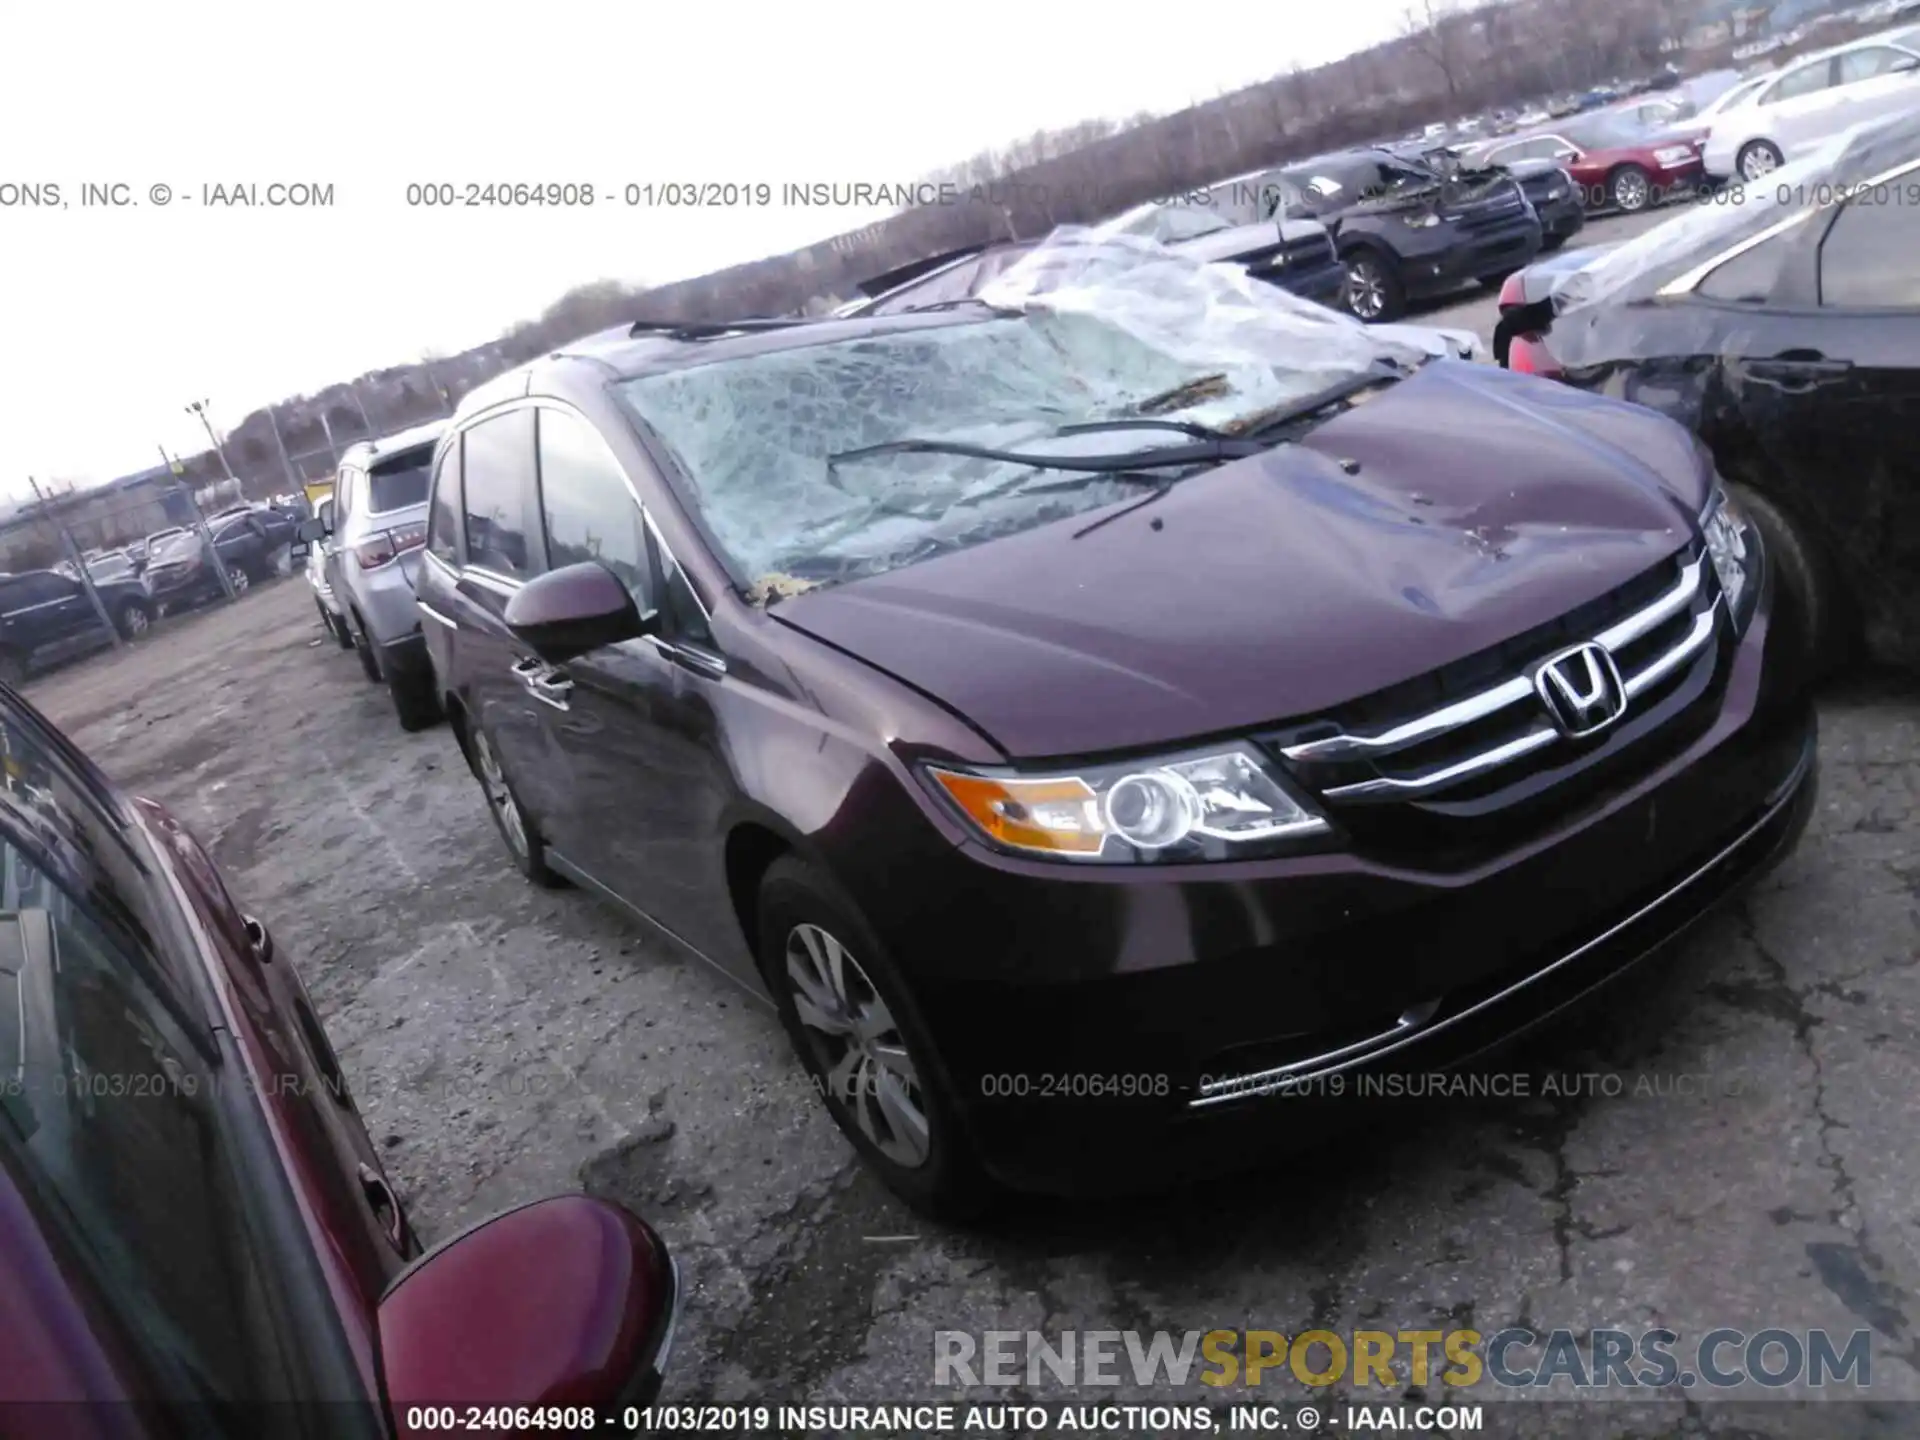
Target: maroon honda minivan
(196, 1237)
(1111, 718)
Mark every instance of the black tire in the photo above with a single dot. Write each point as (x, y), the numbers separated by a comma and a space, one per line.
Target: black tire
(947, 1183)
(1551, 243)
(1373, 279)
(13, 669)
(1810, 602)
(414, 700)
(363, 645)
(1630, 189)
(1757, 153)
(133, 619)
(529, 851)
(337, 627)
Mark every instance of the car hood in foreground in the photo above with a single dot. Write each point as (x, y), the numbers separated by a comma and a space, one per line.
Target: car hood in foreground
(1483, 504)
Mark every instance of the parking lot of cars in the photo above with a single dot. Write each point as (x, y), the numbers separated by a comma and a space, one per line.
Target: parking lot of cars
(1722, 1145)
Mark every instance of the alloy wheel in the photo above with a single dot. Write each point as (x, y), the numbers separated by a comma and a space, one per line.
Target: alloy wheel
(859, 1046)
(1630, 190)
(499, 794)
(138, 622)
(238, 579)
(1366, 289)
(1760, 159)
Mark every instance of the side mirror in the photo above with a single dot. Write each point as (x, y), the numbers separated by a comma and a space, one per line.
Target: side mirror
(568, 1301)
(567, 612)
(311, 530)
(1902, 66)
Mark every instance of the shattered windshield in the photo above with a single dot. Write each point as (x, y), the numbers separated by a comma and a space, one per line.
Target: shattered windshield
(1085, 328)
(1658, 256)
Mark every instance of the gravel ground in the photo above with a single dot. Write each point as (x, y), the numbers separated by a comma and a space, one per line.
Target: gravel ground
(506, 1042)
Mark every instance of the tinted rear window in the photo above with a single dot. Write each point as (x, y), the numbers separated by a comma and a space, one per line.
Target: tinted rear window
(400, 482)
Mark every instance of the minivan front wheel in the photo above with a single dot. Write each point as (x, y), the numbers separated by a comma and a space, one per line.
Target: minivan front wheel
(847, 1014)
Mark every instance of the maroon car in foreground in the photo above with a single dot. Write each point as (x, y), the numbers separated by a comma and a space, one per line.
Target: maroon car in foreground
(196, 1238)
(1110, 719)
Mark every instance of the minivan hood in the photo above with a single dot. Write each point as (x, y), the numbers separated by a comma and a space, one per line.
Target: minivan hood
(1484, 503)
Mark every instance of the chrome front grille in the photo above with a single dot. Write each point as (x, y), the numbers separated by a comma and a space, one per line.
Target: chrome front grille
(1484, 738)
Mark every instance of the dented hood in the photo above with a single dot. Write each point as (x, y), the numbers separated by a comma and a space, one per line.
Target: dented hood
(1483, 504)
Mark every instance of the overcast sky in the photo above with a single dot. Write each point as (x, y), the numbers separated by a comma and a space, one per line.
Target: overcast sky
(112, 319)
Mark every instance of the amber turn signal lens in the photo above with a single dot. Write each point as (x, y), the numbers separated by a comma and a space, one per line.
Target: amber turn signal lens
(1055, 816)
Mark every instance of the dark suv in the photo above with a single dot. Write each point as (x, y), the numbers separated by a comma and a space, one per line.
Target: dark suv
(1405, 230)
(181, 568)
(1101, 738)
(46, 617)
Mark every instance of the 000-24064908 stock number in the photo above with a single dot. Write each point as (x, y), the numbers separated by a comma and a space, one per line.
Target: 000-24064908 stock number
(1075, 1086)
(669, 195)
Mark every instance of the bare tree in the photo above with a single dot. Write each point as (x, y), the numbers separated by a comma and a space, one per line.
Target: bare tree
(1430, 29)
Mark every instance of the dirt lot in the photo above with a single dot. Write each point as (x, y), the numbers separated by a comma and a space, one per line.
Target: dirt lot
(506, 1042)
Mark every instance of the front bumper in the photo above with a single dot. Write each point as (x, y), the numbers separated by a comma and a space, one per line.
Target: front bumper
(1445, 258)
(1563, 218)
(1672, 182)
(1095, 1026)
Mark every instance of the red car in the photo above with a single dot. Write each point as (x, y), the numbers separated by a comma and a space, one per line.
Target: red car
(1618, 161)
(195, 1234)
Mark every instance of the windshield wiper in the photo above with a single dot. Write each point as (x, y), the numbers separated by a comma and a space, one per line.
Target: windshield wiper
(1208, 450)
(1186, 427)
(1207, 446)
(1260, 426)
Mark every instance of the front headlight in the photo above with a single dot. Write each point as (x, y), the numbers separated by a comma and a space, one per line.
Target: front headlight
(1734, 547)
(1673, 154)
(1421, 222)
(1217, 804)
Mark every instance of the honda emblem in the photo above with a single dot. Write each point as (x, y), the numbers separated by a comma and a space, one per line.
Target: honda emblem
(1581, 689)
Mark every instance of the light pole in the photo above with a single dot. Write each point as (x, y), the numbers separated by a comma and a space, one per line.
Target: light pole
(199, 408)
(79, 563)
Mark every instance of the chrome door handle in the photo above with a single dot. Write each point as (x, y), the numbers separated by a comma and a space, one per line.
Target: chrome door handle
(546, 683)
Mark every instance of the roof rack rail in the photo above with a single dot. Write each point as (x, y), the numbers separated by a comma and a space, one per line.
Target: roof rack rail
(708, 329)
